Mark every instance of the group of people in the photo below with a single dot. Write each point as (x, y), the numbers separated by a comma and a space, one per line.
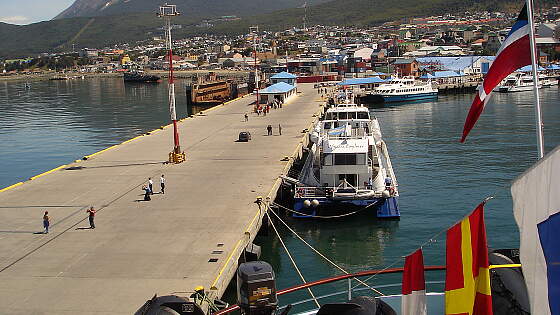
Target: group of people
(269, 130)
(265, 109)
(47, 220)
(149, 188)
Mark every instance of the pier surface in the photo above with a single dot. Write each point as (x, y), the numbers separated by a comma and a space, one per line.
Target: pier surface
(191, 235)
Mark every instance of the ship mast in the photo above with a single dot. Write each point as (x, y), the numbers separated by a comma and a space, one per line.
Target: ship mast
(254, 30)
(168, 11)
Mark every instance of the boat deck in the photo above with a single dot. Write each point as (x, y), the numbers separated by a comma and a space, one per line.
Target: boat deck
(192, 235)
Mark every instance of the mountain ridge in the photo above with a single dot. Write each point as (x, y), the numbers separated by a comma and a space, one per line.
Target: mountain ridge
(63, 34)
(192, 8)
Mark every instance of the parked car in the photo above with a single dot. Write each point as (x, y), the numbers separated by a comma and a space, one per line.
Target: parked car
(244, 136)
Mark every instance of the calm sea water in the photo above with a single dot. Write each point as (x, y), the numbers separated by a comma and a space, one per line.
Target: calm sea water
(55, 122)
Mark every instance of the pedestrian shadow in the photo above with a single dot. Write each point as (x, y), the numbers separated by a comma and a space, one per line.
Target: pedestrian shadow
(40, 232)
(84, 228)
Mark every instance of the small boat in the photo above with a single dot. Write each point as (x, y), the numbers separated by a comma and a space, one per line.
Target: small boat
(347, 167)
(139, 76)
(402, 90)
(517, 82)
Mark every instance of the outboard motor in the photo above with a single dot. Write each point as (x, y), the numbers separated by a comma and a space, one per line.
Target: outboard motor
(256, 288)
(509, 292)
(170, 305)
(361, 305)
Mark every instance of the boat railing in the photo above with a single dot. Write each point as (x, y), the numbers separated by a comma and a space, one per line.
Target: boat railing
(355, 133)
(356, 286)
(350, 288)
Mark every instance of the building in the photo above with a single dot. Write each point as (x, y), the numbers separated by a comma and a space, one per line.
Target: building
(89, 53)
(280, 91)
(406, 67)
(284, 77)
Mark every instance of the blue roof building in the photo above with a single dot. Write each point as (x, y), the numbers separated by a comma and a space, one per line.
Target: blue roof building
(279, 91)
(284, 77)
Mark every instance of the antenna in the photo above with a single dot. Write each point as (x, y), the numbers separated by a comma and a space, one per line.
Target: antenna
(305, 16)
(167, 12)
(254, 30)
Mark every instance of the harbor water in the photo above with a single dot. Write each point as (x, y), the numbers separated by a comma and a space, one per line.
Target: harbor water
(440, 180)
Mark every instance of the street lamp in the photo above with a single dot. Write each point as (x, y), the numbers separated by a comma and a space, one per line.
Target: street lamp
(168, 11)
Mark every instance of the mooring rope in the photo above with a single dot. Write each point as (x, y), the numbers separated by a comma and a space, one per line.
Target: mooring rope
(324, 217)
(319, 253)
(291, 258)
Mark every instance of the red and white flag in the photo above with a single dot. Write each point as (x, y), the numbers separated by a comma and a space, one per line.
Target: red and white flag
(514, 53)
(413, 285)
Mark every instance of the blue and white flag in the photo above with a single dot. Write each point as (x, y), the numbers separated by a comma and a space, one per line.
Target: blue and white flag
(536, 207)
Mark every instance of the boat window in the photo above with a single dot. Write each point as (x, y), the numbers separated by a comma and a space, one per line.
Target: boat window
(327, 159)
(329, 116)
(360, 159)
(342, 115)
(327, 126)
(345, 159)
(352, 115)
(363, 115)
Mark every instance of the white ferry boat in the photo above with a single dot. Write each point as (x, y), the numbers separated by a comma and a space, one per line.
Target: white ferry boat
(517, 82)
(404, 89)
(347, 167)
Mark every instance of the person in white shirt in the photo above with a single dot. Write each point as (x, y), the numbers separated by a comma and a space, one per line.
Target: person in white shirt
(151, 185)
(162, 183)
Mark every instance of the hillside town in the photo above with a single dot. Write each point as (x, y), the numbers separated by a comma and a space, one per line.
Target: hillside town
(450, 47)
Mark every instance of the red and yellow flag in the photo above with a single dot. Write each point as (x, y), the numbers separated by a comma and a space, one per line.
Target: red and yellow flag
(467, 279)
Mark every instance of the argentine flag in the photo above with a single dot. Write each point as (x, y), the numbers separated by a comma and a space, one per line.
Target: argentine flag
(536, 207)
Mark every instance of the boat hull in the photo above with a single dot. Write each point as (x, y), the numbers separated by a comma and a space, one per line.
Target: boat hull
(409, 97)
(380, 98)
(384, 208)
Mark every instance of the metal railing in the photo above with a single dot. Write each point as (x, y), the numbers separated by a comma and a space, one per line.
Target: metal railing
(336, 279)
(351, 289)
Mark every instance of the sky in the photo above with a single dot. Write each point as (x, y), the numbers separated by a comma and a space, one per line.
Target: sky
(31, 11)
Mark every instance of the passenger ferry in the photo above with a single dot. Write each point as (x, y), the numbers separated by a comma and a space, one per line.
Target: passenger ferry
(347, 168)
(404, 89)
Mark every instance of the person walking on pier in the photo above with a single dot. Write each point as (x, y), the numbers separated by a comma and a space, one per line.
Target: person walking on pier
(246, 117)
(151, 185)
(279, 129)
(46, 222)
(91, 213)
(269, 130)
(162, 182)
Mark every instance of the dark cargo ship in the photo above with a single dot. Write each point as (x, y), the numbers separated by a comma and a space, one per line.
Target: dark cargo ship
(135, 76)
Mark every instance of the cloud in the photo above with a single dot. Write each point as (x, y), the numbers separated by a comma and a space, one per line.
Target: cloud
(16, 19)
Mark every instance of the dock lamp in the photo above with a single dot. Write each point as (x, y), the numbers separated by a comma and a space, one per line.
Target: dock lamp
(166, 12)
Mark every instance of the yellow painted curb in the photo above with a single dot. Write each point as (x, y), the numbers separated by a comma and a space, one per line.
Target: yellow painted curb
(47, 172)
(96, 153)
(12, 186)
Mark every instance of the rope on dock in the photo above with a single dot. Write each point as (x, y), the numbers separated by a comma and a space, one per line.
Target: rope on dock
(291, 258)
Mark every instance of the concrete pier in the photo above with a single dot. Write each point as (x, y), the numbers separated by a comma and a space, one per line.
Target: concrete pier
(192, 235)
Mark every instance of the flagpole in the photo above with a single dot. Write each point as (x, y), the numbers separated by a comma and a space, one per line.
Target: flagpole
(540, 140)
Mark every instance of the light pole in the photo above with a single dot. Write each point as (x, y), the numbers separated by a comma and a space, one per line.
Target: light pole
(254, 30)
(168, 11)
